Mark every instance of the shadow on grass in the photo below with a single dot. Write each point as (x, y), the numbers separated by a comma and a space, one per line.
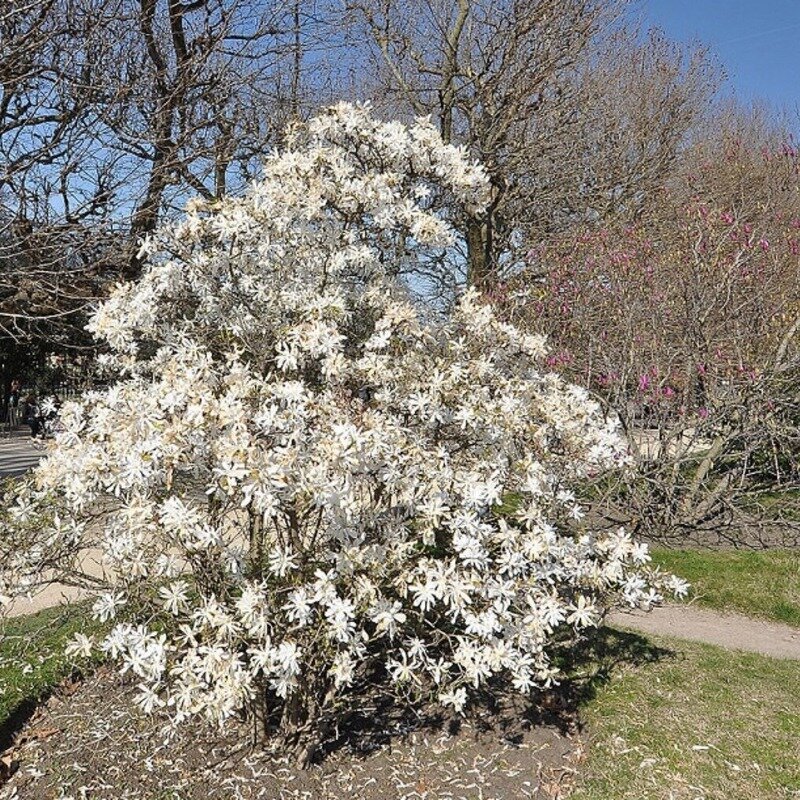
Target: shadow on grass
(17, 720)
(595, 660)
(590, 664)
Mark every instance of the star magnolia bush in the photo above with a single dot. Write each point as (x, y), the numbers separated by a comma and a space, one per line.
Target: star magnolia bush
(299, 483)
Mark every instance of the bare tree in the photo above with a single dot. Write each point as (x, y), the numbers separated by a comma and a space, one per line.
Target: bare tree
(539, 91)
(114, 112)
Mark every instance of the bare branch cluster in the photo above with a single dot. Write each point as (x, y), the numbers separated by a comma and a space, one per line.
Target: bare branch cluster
(687, 324)
(113, 113)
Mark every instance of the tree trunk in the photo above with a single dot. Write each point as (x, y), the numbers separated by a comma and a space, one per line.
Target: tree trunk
(478, 252)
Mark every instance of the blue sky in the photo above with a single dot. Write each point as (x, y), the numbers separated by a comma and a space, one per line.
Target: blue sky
(756, 41)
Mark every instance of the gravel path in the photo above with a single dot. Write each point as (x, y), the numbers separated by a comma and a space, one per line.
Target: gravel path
(733, 631)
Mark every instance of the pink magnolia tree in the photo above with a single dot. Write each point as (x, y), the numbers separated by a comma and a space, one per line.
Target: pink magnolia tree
(686, 325)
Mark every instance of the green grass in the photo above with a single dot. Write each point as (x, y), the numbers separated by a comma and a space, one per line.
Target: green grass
(32, 659)
(763, 583)
(700, 722)
(783, 504)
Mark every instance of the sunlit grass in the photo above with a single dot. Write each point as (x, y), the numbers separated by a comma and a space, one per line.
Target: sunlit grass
(701, 722)
(764, 583)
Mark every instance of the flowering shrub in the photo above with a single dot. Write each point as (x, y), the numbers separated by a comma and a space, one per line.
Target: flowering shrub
(661, 319)
(296, 483)
(687, 326)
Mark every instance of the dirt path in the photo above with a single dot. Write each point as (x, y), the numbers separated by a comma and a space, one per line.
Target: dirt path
(732, 631)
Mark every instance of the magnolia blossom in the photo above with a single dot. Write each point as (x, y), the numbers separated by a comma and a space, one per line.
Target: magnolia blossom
(301, 474)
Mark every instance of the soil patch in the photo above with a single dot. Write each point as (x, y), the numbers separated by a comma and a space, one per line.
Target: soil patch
(89, 741)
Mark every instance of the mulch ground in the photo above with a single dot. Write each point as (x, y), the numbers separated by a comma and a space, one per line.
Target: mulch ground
(88, 742)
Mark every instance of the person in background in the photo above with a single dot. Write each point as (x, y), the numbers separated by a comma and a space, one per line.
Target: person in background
(12, 405)
(31, 415)
(13, 395)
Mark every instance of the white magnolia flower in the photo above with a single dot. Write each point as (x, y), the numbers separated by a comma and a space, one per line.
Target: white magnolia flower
(680, 588)
(175, 597)
(457, 699)
(80, 645)
(148, 698)
(388, 618)
(281, 561)
(343, 670)
(287, 658)
(425, 595)
(105, 607)
(583, 613)
(402, 669)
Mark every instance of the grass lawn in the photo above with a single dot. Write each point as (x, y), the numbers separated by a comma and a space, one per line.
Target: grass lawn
(32, 657)
(764, 583)
(700, 723)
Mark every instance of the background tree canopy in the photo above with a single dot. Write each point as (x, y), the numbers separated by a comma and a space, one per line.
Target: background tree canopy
(114, 112)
